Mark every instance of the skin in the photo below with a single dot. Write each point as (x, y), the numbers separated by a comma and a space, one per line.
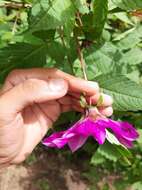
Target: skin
(31, 101)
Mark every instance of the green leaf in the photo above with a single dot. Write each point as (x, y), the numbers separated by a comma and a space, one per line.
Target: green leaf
(51, 14)
(21, 55)
(111, 5)
(134, 76)
(137, 185)
(81, 5)
(93, 22)
(132, 57)
(97, 158)
(56, 51)
(102, 58)
(111, 138)
(128, 4)
(127, 94)
(123, 16)
(122, 35)
(109, 151)
(139, 140)
(123, 151)
(131, 39)
(99, 16)
(114, 152)
(45, 34)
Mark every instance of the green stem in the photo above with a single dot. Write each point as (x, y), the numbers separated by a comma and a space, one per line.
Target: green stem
(79, 51)
(82, 61)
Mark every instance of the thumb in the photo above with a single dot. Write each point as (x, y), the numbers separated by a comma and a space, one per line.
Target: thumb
(31, 91)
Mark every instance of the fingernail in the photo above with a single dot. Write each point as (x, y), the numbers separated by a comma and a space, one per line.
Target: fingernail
(93, 85)
(107, 98)
(108, 111)
(57, 84)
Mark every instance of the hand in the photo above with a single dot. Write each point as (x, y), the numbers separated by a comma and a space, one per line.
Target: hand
(31, 100)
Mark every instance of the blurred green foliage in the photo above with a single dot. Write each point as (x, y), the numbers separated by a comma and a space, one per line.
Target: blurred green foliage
(108, 35)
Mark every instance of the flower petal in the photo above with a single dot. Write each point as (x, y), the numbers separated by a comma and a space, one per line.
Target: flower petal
(124, 141)
(82, 127)
(99, 134)
(77, 135)
(76, 142)
(55, 140)
(123, 129)
(88, 127)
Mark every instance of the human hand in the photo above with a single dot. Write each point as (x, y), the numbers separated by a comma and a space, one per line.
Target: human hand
(31, 100)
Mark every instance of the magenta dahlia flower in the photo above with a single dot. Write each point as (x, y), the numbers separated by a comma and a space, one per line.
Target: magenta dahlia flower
(77, 135)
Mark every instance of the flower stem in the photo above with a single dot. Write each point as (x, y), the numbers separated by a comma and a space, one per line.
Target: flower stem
(82, 62)
(79, 50)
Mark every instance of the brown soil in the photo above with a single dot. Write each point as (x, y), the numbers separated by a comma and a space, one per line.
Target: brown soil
(49, 171)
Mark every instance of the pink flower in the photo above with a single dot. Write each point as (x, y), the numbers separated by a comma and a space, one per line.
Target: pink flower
(77, 135)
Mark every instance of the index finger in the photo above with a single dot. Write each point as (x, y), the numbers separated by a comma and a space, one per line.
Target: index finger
(76, 85)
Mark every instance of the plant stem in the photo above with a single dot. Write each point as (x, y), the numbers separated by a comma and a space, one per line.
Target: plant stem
(82, 62)
(15, 23)
(79, 19)
(15, 5)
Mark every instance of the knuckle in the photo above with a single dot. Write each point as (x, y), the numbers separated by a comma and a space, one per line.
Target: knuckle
(13, 73)
(34, 85)
(30, 84)
(54, 69)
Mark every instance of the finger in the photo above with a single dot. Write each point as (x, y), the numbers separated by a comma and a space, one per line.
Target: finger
(75, 84)
(90, 99)
(68, 104)
(106, 111)
(11, 141)
(33, 133)
(51, 109)
(78, 108)
(31, 91)
(93, 99)
(66, 108)
(76, 102)
(106, 100)
(66, 100)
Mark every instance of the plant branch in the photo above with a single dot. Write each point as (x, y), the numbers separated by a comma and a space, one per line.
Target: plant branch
(82, 62)
(15, 23)
(79, 19)
(15, 5)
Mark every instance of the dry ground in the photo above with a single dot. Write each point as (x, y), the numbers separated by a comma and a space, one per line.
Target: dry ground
(47, 172)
